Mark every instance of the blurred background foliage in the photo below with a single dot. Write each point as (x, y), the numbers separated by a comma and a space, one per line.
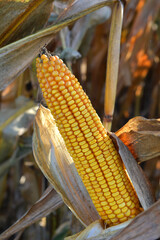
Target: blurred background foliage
(83, 46)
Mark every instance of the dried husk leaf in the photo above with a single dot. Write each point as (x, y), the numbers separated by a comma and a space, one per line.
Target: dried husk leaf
(96, 230)
(49, 202)
(142, 137)
(18, 18)
(144, 226)
(14, 122)
(136, 175)
(57, 165)
(16, 57)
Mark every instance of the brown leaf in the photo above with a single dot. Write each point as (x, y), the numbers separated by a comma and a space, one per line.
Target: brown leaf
(145, 226)
(48, 203)
(136, 174)
(142, 137)
(21, 18)
(57, 165)
(16, 57)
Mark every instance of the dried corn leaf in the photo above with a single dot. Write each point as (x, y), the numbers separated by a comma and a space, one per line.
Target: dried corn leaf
(57, 165)
(142, 137)
(136, 174)
(144, 226)
(15, 57)
(18, 18)
(15, 122)
(49, 202)
(96, 230)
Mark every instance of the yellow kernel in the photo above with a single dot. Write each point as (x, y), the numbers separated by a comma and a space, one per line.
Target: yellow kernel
(90, 157)
(88, 170)
(57, 95)
(58, 111)
(96, 168)
(57, 67)
(71, 121)
(117, 211)
(64, 91)
(77, 98)
(61, 74)
(66, 78)
(50, 69)
(63, 69)
(93, 164)
(73, 107)
(54, 73)
(84, 128)
(105, 168)
(100, 179)
(60, 98)
(98, 190)
(103, 182)
(111, 216)
(69, 99)
(122, 205)
(97, 153)
(114, 207)
(121, 215)
(76, 114)
(88, 135)
(79, 139)
(54, 92)
(106, 207)
(57, 78)
(104, 186)
(80, 154)
(82, 108)
(124, 209)
(128, 213)
(80, 117)
(70, 89)
(120, 185)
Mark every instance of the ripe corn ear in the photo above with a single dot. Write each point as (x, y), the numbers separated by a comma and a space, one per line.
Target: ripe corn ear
(96, 159)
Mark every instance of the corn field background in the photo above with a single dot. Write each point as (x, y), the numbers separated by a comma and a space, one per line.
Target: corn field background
(83, 45)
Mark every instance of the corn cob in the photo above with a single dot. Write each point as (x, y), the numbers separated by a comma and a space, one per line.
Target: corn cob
(96, 159)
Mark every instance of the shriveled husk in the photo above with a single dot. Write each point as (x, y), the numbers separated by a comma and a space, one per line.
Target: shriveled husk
(95, 230)
(57, 165)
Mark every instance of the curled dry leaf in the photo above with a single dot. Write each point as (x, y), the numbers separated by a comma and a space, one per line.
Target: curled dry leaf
(144, 226)
(49, 202)
(14, 122)
(95, 230)
(16, 57)
(57, 165)
(136, 175)
(142, 137)
(18, 18)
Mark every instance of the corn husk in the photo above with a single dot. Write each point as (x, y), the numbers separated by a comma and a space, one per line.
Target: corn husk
(96, 230)
(57, 165)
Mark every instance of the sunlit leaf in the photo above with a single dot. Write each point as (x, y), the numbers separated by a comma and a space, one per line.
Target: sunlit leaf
(135, 173)
(14, 122)
(15, 57)
(142, 137)
(95, 230)
(57, 165)
(21, 18)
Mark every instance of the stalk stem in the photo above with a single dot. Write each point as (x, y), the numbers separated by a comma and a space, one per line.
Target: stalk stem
(113, 64)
